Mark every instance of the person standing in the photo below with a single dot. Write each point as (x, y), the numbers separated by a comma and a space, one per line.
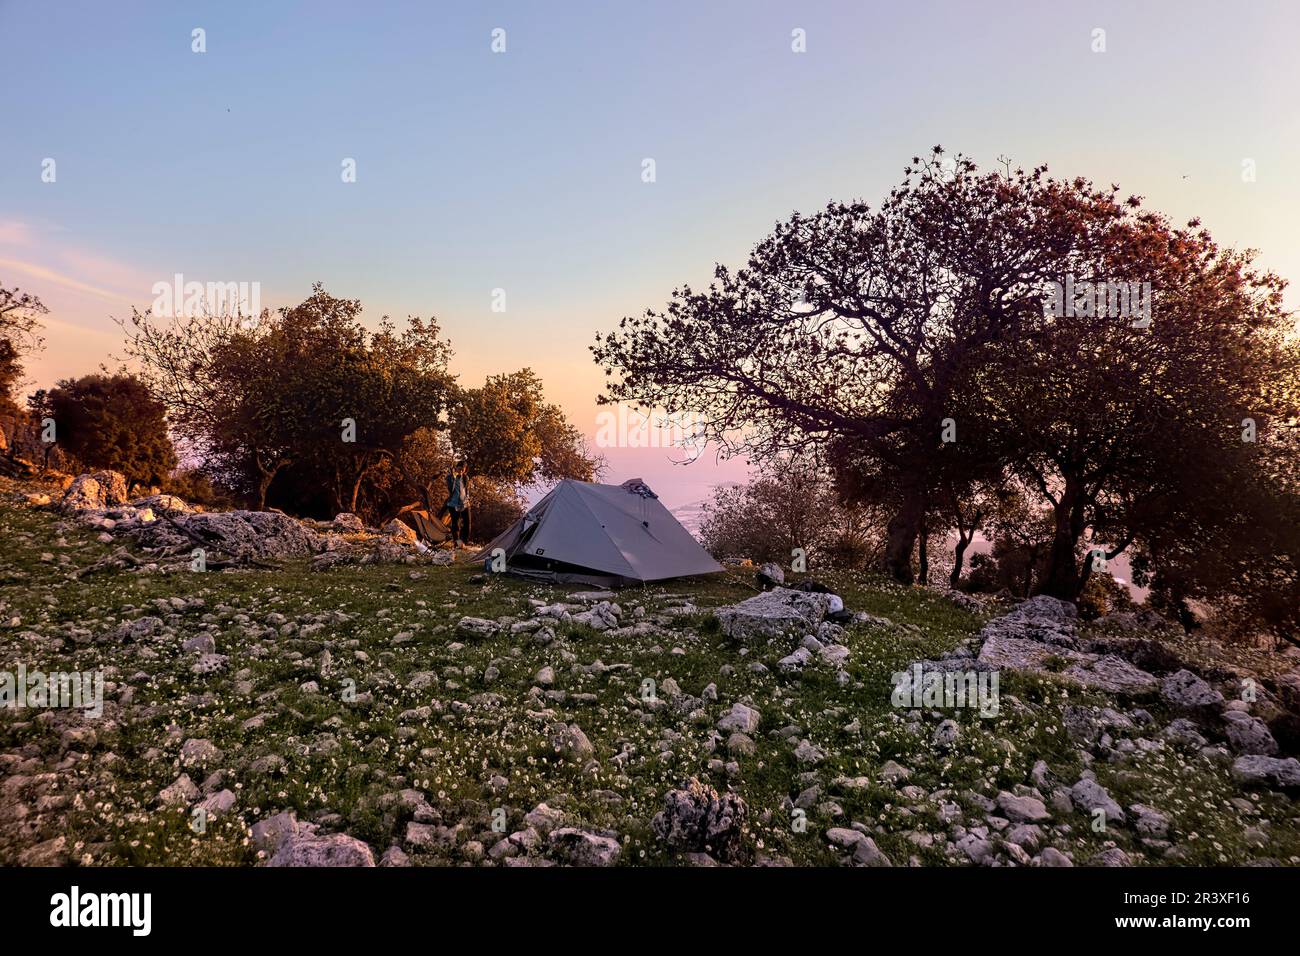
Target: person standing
(458, 502)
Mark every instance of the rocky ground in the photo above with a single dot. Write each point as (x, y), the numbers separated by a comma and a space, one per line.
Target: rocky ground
(330, 694)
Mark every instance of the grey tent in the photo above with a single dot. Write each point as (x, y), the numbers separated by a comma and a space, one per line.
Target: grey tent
(606, 535)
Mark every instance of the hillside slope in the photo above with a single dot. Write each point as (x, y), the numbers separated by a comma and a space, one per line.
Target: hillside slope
(435, 715)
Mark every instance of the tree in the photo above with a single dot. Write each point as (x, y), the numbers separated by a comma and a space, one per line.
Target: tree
(880, 333)
(792, 503)
(1244, 560)
(361, 394)
(112, 421)
(507, 431)
(965, 509)
(1021, 528)
(860, 327)
(1106, 411)
(205, 370)
(422, 462)
(19, 336)
(308, 408)
(307, 392)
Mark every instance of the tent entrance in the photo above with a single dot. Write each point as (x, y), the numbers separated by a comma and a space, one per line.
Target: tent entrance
(559, 572)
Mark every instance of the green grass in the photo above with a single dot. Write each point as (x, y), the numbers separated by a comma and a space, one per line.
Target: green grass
(341, 758)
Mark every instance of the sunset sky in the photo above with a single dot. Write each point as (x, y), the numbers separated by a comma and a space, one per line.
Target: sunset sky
(522, 170)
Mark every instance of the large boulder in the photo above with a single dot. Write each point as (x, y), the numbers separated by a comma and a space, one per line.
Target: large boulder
(698, 819)
(1043, 607)
(1288, 689)
(1042, 619)
(248, 534)
(336, 849)
(1112, 674)
(1260, 771)
(773, 613)
(1188, 692)
(95, 491)
(580, 847)
(1248, 734)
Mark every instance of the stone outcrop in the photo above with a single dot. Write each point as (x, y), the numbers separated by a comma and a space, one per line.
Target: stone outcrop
(95, 491)
(1040, 635)
(696, 818)
(774, 613)
(243, 534)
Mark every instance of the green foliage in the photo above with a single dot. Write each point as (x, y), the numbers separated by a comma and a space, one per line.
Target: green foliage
(791, 504)
(909, 342)
(340, 758)
(112, 421)
(19, 336)
(506, 430)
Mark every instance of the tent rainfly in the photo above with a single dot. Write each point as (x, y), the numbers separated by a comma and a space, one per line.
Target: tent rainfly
(429, 529)
(606, 535)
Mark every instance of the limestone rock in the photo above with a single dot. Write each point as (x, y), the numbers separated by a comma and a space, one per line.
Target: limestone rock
(1088, 795)
(581, 847)
(336, 849)
(182, 792)
(772, 614)
(770, 575)
(741, 718)
(250, 534)
(1247, 734)
(1188, 692)
(1274, 772)
(476, 627)
(95, 491)
(400, 530)
(1022, 809)
(347, 521)
(696, 818)
(862, 849)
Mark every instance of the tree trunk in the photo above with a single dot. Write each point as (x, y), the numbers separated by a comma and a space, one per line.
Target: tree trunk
(901, 535)
(265, 477)
(958, 559)
(264, 485)
(923, 552)
(1062, 577)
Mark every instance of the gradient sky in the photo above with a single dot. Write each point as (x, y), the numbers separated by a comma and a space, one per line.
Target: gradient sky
(522, 170)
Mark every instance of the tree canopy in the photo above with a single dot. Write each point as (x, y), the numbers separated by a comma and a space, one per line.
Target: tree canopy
(112, 421)
(980, 329)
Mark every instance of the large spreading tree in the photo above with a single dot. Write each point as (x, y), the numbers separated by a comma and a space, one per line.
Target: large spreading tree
(913, 343)
(309, 409)
(302, 403)
(506, 430)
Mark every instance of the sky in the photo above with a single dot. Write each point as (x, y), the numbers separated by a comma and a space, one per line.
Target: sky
(522, 170)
